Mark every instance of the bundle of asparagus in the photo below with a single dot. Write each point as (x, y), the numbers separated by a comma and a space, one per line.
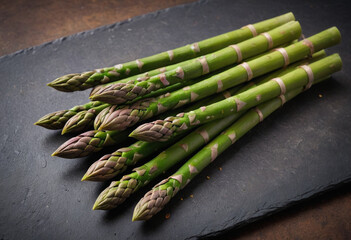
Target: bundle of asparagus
(160, 195)
(118, 191)
(193, 93)
(131, 114)
(113, 164)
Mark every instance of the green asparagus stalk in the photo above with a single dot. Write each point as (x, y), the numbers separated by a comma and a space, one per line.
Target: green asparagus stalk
(265, 78)
(110, 165)
(252, 97)
(57, 120)
(280, 72)
(155, 200)
(82, 81)
(144, 77)
(120, 190)
(89, 142)
(122, 92)
(139, 111)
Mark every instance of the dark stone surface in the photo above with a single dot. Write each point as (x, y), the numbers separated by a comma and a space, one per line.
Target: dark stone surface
(300, 151)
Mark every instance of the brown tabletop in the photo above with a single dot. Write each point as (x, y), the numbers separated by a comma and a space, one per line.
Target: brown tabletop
(27, 23)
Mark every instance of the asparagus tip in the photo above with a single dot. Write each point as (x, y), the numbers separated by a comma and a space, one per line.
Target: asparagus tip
(138, 214)
(132, 134)
(39, 123)
(57, 153)
(85, 178)
(64, 130)
(100, 202)
(97, 206)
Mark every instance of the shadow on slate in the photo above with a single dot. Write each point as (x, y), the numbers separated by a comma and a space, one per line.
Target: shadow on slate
(300, 151)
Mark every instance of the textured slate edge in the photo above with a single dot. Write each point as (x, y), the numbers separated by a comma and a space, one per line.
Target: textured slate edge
(270, 210)
(102, 28)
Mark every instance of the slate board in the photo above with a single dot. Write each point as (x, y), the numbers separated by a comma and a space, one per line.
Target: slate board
(301, 150)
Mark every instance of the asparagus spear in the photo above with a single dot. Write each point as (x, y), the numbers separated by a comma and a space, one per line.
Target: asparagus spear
(265, 78)
(57, 120)
(129, 115)
(111, 165)
(146, 76)
(140, 77)
(90, 142)
(122, 92)
(252, 97)
(118, 191)
(82, 81)
(155, 200)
